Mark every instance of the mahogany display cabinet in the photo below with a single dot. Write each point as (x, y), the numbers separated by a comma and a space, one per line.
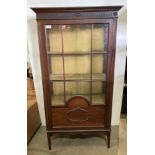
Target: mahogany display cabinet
(77, 53)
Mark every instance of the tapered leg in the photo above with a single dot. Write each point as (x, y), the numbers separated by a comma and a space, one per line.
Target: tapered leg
(49, 140)
(108, 139)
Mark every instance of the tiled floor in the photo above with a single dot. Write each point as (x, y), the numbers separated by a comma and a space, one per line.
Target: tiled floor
(78, 144)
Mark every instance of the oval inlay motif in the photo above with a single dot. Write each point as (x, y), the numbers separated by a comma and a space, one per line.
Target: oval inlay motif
(78, 114)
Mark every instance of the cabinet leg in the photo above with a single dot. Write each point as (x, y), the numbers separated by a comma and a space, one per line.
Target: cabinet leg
(49, 141)
(108, 139)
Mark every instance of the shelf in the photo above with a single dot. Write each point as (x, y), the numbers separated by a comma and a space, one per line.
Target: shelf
(78, 77)
(97, 99)
(76, 53)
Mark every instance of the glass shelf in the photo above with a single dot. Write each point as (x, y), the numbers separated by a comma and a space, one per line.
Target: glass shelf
(77, 77)
(78, 64)
(97, 99)
(77, 53)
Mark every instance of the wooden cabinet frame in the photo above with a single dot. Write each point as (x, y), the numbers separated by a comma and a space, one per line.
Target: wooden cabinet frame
(84, 15)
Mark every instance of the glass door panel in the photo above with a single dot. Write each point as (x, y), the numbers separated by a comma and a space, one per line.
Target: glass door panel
(77, 67)
(77, 38)
(56, 67)
(99, 37)
(77, 58)
(56, 64)
(54, 38)
(99, 64)
(98, 93)
(57, 90)
(77, 88)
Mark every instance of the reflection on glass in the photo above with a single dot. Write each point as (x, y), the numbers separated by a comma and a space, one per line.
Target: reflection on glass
(54, 39)
(99, 63)
(98, 89)
(57, 89)
(77, 38)
(56, 64)
(98, 99)
(77, 64)
(98, 37)
(78, 88)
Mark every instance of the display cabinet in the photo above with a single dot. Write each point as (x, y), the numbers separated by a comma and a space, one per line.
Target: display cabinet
(77, 53)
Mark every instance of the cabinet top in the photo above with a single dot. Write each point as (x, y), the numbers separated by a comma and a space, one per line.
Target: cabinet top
(76, 12)
(70, 9)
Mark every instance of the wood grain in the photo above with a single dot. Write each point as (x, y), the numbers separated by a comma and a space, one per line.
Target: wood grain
(78, 115)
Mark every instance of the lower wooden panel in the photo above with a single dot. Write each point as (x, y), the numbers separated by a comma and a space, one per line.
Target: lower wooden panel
(78, 117)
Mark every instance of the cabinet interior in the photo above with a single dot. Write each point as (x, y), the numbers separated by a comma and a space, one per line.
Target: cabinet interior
(77, 58)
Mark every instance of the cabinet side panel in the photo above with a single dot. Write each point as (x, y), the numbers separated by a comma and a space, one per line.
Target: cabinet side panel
(45, 74)
(110, 70)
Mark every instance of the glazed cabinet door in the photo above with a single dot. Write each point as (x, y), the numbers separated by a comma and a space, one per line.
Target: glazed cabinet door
(78, 63)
